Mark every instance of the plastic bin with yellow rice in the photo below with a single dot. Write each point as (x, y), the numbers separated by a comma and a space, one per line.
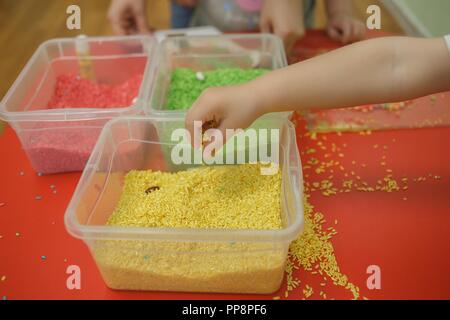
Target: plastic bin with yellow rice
(208, 229)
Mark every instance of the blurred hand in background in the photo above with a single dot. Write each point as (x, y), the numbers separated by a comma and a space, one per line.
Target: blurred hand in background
(345, 29)
(342, 26)
(128, 17)
(284, 19)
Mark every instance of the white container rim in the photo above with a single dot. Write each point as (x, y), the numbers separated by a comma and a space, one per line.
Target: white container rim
(87, 232)
(79, 114)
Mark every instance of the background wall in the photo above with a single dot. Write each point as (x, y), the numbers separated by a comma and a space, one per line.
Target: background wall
(429, 18)
(24, 24)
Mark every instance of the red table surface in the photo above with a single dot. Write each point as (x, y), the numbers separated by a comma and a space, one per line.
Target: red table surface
(405, 233)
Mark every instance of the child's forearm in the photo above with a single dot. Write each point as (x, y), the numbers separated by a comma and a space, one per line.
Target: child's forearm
(373, 71)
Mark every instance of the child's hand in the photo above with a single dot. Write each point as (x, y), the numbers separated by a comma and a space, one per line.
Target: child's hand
(285, 19)
(230, 107)
(345, 29)
(128, 17)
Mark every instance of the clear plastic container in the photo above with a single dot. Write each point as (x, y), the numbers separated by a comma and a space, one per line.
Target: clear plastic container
(177, 259)
(61, 140)
(204, 53)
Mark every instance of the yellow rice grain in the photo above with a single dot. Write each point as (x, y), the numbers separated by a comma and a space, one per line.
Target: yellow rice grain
(308, 291)
(313, 249)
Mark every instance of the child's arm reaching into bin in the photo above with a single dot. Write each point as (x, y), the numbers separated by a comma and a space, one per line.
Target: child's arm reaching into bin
(374, 71)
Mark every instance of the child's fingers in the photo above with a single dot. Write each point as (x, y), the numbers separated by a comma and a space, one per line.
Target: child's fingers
(205, 109)
(119, 30)
(141, 23)
(189, 124)
(353, 33)
(346, 32)
(117, 24)
(357, 31)
(334, 34)
(360, 30)
(215, 143)
(264, 26)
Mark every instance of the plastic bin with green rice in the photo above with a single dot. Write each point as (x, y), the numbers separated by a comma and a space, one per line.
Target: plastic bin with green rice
(185, 66)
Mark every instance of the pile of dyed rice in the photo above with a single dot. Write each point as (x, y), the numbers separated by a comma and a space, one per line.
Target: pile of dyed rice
(313, 252)
(72, 91)
(186, 85)
(236, 197)
(228, 197)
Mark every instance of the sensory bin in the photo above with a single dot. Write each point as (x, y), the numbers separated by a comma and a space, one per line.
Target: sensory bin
(69, 89)
(53, 147)
(186, 85)
(206, 197)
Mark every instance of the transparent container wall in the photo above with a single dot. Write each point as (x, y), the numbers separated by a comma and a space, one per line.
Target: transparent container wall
(224, 267)
(58, 146)
(170, 262)
(61, 140)
(429, 111)
(270, 124)
(111, 62)
(210, 53)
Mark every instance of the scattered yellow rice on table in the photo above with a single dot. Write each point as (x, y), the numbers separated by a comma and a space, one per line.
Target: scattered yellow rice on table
(313, 252)
(225, 197)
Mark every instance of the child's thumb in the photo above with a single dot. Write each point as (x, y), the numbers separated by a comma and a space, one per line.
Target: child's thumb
(334, 34)
(264, 26)
(141, 23)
